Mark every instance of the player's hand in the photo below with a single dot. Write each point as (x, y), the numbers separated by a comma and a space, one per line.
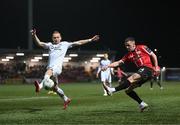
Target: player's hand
(33, 32)
(156, 71)
(95, 38)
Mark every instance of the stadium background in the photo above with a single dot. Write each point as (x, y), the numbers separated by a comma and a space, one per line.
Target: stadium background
(154, 23)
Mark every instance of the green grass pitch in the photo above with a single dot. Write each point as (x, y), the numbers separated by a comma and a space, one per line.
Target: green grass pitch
(20, 105)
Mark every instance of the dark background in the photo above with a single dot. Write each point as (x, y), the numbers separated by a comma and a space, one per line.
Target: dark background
(154, 23)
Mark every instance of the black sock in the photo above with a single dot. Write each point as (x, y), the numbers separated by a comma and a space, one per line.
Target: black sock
(134, 96)
(151, 84)
(123, 85)
(159, 84)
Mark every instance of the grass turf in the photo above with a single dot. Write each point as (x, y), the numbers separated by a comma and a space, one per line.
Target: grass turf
(20, 105)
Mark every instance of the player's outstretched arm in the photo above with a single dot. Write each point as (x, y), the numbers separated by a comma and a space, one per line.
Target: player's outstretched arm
(115, 64)
(112, 65)
(81, 42)
(37, 40)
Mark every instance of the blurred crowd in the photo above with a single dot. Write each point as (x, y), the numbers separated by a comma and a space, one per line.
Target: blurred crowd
(8, 71)
(22, 71)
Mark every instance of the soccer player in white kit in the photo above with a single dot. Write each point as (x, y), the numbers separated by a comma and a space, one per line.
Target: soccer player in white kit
(106, 74)
(57, 51)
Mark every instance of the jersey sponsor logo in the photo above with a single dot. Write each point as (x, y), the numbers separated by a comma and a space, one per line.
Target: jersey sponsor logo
(55, 48)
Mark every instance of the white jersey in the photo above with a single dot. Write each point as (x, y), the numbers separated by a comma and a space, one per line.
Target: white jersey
(105, 75)
(104, 63)
(57, 53)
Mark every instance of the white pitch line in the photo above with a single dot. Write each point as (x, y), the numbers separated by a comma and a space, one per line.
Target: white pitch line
(20, 99)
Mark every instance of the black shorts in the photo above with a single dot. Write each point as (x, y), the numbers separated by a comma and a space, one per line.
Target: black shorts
(145, 73)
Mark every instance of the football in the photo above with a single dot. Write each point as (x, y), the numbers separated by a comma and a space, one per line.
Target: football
(48, 84)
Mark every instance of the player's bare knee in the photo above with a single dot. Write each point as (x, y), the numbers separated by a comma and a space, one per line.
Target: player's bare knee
(49, 72)
(130, 79)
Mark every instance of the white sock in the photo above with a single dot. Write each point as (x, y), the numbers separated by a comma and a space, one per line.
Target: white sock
(143, 103)
(105, 91)
(61, 94)
(46, 77)
(112, 89)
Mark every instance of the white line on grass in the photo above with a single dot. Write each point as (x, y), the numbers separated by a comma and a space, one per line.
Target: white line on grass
(20, 99)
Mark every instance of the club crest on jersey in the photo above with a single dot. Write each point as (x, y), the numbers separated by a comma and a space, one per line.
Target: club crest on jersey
(141, 70)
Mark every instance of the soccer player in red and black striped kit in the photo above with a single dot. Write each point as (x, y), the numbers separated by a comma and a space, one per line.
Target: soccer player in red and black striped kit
(147, 64)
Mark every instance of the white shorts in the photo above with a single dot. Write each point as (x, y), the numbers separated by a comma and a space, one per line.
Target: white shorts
(106, 77)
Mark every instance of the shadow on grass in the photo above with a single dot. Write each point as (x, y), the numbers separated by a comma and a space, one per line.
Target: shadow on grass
(32, 110)
(17, 110)
(111, 112)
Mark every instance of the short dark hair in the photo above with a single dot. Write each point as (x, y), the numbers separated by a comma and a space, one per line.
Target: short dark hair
(56, 31)
(129, 39)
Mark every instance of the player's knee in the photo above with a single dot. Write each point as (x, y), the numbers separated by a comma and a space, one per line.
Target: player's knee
(49, 72)
(130, 79)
